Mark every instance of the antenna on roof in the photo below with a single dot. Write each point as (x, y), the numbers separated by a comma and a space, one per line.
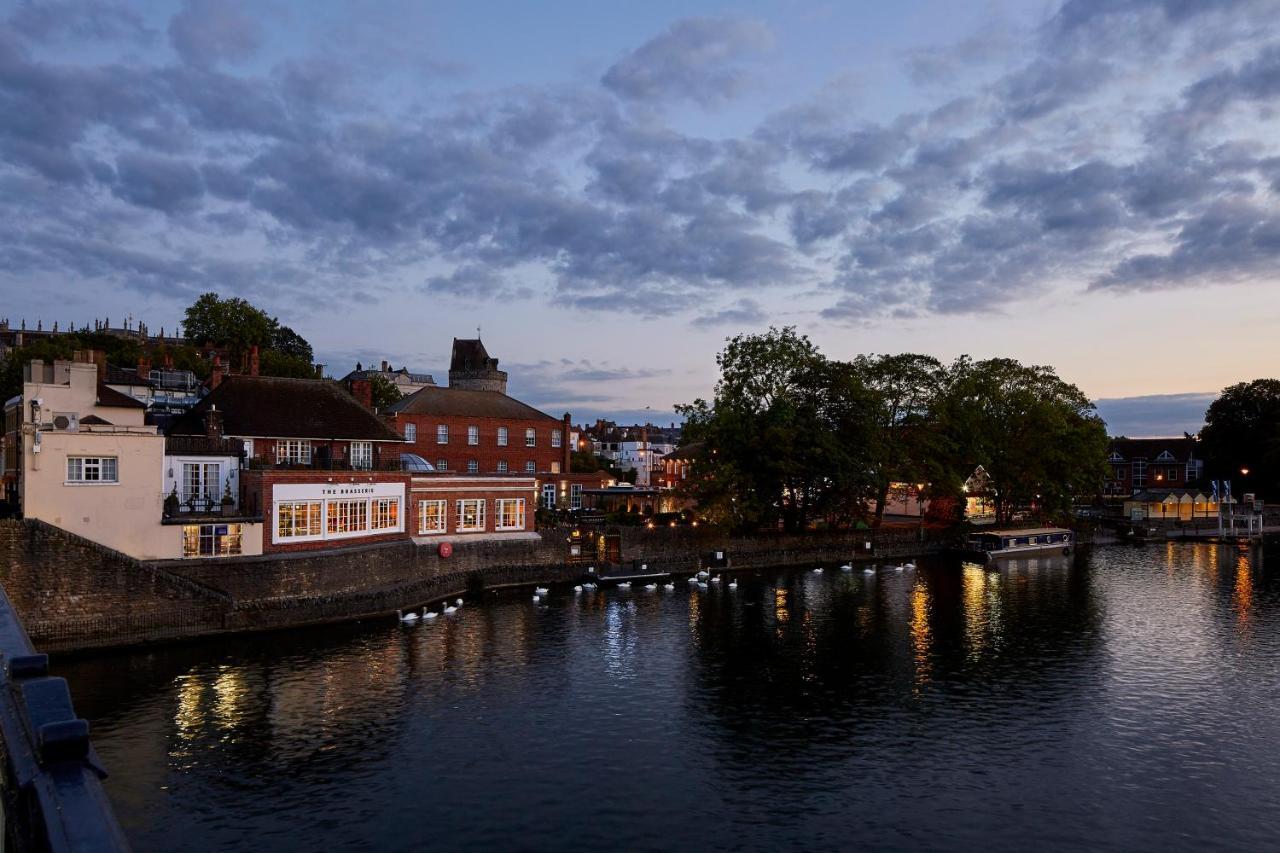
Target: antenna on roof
(477, 333)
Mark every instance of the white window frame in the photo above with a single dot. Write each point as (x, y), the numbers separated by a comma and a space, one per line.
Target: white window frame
(575, 496)
(442, 433)
(556, 438)
(502, 466)
(473, 435)
(548, 495)
(105, 471)
(227, 544)
(384, 514)
(531, 467)
(360, 455)
(293, 451)
(346, 517)
(411, 432)
(441, 521)
(473, 466)
(442, 464)
(207, 474)
(530, 437)
(474, 507)
(313, 523)
(504, 504)
(502, 436)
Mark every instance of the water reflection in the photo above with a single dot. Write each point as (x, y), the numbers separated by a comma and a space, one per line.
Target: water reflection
(958, 707)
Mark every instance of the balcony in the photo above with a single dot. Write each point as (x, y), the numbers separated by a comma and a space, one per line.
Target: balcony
(197, 510)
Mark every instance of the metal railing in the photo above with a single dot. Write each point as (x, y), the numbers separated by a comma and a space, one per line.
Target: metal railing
(52, 794)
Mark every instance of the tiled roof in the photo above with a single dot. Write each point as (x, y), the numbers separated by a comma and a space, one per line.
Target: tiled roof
(434, 400)
(275, 407)
(112, 398)
(470, 354)
(419, 378)
(1181, 448)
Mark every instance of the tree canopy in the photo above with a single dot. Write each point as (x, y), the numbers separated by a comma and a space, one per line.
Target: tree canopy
(1242, 432)
(239, 325)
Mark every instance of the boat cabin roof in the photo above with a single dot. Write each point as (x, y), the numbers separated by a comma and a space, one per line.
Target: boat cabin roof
(1028, 531)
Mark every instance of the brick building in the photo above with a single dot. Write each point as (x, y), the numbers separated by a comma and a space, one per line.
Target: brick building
(1140, 463)
(473, 427)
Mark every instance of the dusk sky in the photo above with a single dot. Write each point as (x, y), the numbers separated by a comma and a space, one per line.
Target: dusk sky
(609, 190)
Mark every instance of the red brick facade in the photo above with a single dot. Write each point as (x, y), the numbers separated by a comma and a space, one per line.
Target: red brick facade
(258, 497)
(452, 488)
(487, 454)
(385, 454)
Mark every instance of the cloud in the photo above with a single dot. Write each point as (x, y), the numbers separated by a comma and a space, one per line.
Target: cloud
(744, 313)
(93, 20)
(699, 59)
(1156, 414)
(206, 32)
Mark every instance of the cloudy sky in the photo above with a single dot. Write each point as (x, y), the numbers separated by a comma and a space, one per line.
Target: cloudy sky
(609, 190)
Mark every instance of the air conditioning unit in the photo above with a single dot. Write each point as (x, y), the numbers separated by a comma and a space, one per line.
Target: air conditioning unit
(66, 421)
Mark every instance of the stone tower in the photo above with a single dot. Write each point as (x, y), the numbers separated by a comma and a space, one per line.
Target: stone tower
(472, 369)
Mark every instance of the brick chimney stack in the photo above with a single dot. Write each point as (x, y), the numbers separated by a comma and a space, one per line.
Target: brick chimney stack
(213, 424)
(253, 360)
(362, 390)
(215, 378)
(144, 366)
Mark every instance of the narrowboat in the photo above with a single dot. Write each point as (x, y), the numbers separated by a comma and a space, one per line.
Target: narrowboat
(992, 545)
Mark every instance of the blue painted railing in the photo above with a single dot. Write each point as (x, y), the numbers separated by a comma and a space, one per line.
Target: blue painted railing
(52, 792)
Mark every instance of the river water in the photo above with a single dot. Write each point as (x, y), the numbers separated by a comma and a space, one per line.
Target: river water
(1124, 699)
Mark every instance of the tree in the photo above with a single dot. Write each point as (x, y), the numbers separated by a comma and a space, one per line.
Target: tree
(384, 392)
(288, 342)
(1038, 437)
(233, 323)
(1242, 432)
(584, 462)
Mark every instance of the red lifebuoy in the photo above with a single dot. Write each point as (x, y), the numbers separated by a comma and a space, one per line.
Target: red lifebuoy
(445, 549)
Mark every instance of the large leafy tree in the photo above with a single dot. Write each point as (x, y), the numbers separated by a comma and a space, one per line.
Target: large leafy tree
(238, 325)
(384, 392)
(1242, 432)
(1038, 437)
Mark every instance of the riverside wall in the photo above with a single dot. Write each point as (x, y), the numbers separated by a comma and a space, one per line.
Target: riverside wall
(73, 594)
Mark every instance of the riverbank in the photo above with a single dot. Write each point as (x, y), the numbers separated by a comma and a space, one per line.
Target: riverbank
(74, 595)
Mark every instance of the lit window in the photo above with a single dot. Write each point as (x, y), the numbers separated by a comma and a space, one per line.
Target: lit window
(470, 515)
(210, 540)
(502, 466)
(431, 517)
(293, 452)
(530, 467)
(410, 432)
(555, 438)
(510, 514)
(91, 469)
(575, 495)
(473, 435)
(530, 438)
(502, 436)
(362, 455)
(555, 467)
(386, 513)
(442, 433)
(296, 519)
(442, 464)
(348, 516)
(473, 467)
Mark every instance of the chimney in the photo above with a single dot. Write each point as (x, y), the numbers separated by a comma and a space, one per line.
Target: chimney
(213, 423)
(215, 378)
(144, 366)
(99, 357)
(253, 360)
(566, 447)
(362, 390)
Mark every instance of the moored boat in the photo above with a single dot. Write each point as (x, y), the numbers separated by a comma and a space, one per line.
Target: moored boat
(992, 545)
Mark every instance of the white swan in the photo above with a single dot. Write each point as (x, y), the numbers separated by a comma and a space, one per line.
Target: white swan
(429, 614)
(407, 617)
(578, 588)
(588, 586)
(458, 601)
(669, 586)
(898, 568)
(651, 586)
(847, 567)
(715, 579)
(536, 599)
(733, 584)
(868, 570)
(541, 590)
(704, 573)
(818, 570)
(693, 579)
(909, 565)
(449, 608)
(624, 585)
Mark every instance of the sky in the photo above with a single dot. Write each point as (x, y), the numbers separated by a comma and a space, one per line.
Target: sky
(608, 191)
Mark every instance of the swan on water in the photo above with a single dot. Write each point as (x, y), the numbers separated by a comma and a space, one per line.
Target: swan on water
(536, 599)
(624, 585)
(716, 579)
(578, 588)
(449, 608)
(458, 601)
(407, 617)
(898, 568)
(429, 614)
(868, 570)
(541, 590)
(818, 570)
(669, 586)
(693, 579)
(733, 584)
(847, 567)
(651, 586)
(909, 565)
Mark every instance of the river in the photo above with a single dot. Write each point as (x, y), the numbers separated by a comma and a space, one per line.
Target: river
(1124, 699)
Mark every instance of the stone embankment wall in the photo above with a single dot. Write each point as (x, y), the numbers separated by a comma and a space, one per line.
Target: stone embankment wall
(73, 594)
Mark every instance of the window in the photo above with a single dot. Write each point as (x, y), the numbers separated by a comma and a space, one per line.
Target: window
(555, 438)
(295, 519)
(473, 467)
(410, 432)
(555, 467)
(442, 433)
(1139, 473)
(348, 516)
(575, 495)
(201, 481)
(530, 438)
(549, 495)
(431, 517)
(530, 467)
(293, 452)
(473, 435)
(210, 540)
(386, 513)
(362, 455)
(510, 514)
(502, 436)
(502, 466)
(470, 515)
(442, 464)
(91, 469)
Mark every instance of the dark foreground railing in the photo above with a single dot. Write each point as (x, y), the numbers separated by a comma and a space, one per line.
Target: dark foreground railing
(52, 791)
